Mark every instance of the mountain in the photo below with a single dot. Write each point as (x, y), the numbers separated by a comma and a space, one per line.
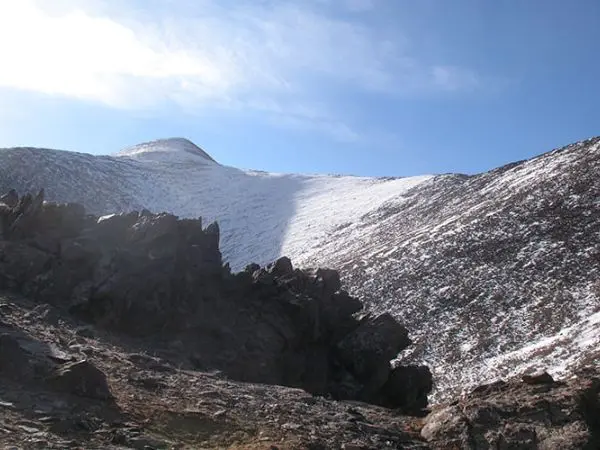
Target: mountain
(127, 332)
(261, 215)
(493, 274)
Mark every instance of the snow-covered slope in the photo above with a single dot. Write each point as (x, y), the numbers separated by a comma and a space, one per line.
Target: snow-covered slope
(261, 215)
(167, 150)
(492, 273)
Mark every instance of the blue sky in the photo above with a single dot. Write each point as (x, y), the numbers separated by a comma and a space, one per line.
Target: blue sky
(368, 87)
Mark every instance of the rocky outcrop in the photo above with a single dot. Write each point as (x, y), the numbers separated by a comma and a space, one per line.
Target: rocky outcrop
(81, 378)
(14, 361)
(162, 278)
(521, 414)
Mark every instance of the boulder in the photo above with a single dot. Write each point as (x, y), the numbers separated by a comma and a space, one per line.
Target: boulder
(338, 314)
(408, 386)
(542, 377)
(366, 353)
(14, 360)
(81, 378)
(373, 344)
(20, 263)
(328, 281)
(10, 199)
(25, 221)
(251, 268)
(281, 267)
(213, 233)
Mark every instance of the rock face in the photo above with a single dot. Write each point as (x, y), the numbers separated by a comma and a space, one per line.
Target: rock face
(159, 277)
(549, 415)
(81, 378)
(14, 361)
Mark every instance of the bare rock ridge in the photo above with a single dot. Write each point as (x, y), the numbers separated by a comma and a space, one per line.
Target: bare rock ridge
(155, 276)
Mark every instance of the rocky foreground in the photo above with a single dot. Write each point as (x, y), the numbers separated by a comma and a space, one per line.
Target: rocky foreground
(128, 332)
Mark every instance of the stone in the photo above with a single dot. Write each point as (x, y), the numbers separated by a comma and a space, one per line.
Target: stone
(86, 331)
(407, 387)
(14, 360)
(251, 268)
(20, 263)
(10, 199)
(329, 279)
(81, 378)
(374, 342)
(25, 220)
(281, 267)
(542, 377)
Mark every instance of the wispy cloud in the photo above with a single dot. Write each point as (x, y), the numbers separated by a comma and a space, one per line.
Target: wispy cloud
(271, 57)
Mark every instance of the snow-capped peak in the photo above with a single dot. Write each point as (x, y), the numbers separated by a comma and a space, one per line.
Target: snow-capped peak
(167, 149)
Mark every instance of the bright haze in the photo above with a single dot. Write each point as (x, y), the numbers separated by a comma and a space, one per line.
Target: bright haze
(366, 87)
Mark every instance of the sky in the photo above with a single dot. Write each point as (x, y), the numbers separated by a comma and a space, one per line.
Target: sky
(364, 87)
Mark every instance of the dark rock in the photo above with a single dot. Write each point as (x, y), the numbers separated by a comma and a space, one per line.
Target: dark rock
(81, 378)
(45, 313)
(214, 233)
(538, 378)
(156, 275)
(366, 353)
(25, 220)
(488, 388)
(281, 268)
(263, 277)
(373, 344)
(10, 199)
(338, 311)
(14, 361)
(85, 331)
(77, 250)
(61, 220)
(110, 230)
(520, 415)
(146, 381)
(251, 268)
(329, 281)
(20, 263)
(408, 386)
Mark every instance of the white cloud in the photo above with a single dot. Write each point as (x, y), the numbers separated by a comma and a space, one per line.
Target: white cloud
(94, 58)
(208, 55)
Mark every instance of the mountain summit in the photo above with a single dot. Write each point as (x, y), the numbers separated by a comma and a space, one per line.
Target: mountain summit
(165, 149)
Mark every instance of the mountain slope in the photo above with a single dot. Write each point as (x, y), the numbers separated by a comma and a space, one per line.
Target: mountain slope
(482, 267)
(262, 215)
(486, 271)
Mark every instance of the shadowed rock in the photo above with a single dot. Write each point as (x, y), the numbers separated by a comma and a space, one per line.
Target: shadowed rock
(157, 276)
(81, 378)
(14, 360)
